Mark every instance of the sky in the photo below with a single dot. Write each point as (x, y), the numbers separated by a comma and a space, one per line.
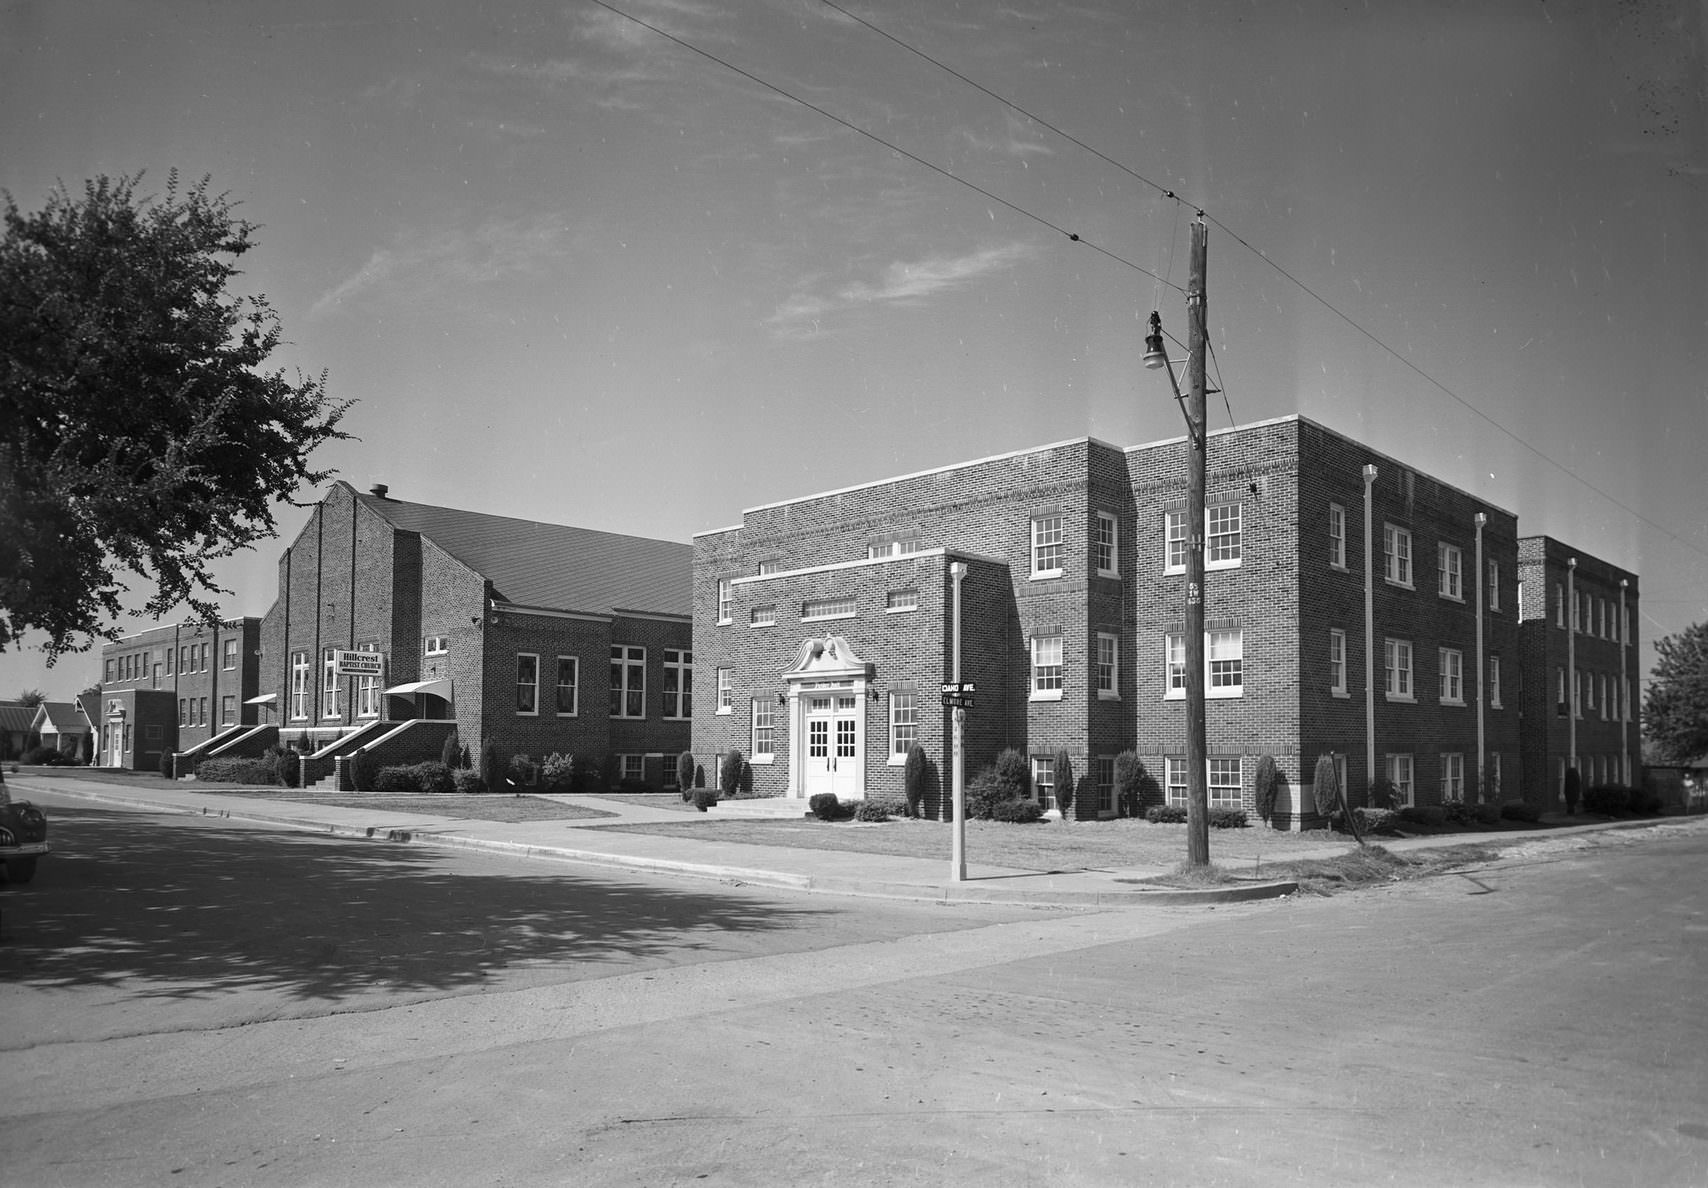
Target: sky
(576, 269)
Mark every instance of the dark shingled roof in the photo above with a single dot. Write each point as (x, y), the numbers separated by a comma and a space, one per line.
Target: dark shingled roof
(554, 565)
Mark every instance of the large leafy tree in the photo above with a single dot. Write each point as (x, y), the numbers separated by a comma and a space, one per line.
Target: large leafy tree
(1675, 709)
(140, 432)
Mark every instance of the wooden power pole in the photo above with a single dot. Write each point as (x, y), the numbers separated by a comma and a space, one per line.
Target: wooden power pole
(1197, 774)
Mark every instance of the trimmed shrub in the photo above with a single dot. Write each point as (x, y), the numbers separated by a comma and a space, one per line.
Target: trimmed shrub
(586, 777)
(395, 781)
(44, 756)
(1016, 812)
(557, 772)
(1014, 773)
(685, 773)
(1166, 814)
(1325, 787)
(451, 754)
(166, 758)
(1064, 785)
(1607, 800)
(871, 810)
(1423, 814)
(523, 771)
(825, 806)
(1457, 812)
(467, 781)
(1644, 802)
(1227, 818)
(705, 798)
(363, 770)
(1574, 789)
(984, 792)
(1517, 810)
(913, 778)
(1376, 820)
(236, 771)
(402, 780)
(1263, 786)
(730, 774)
(1485, 814)
(1132, 783)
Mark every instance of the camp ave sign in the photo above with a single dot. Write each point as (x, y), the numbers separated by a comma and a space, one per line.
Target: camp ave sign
(358, 663)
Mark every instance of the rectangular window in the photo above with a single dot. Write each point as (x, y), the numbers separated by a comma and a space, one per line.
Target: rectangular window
(527, 683)
(1175, 649)
(678, 683)
(1044, 780)
(568, 686)
(1224, 783)
(829, 608)
(1452, 777)
(329, 684)
(1047, 668)
(1174, 776)
(1450, 569)
(1108, 666)
(1494, 681)
(763, 616)
(1225, 653)
(228, 657)
(1559, 605)
(1452, 676)
(436, 645)
(1103, 543)
(1559, 692)
(299, 685)
(1337, 661)
(1174, 542)
(228, 710)
(634, 769)
(896, 547)
(368, 688)
(1399, 771)
(1494, 585)
(726, 601)
(1396, 555)
(183, 660)
(206, 650)
(726, 690)
(628, 681)
(1103, 772)
(107, 670)
(1396, 663)
(904, 722)
(1047, 546)
(770, 565)
(901, 600)
(764, 730)
(1337, 536)
(1222, 536)
(183, 712)
(202, 702)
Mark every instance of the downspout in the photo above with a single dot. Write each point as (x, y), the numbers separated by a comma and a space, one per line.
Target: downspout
(1369, 635)
(1624, 693)
(1572, 693)
(1482, 664)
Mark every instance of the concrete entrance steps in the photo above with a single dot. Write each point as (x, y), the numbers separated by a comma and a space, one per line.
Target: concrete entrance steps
(767, 808)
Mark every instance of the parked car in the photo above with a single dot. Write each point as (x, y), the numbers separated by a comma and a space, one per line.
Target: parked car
(23, 836)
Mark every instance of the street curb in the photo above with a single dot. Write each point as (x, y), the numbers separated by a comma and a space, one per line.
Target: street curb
(972, 891)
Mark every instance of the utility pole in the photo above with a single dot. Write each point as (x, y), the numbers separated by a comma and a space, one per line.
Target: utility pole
(1197, 760)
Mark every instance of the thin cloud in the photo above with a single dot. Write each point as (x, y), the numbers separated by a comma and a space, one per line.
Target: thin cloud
(902, 282)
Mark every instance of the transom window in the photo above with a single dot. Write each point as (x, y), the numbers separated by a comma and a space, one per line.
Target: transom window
(1103, 542)
(829, 608)
(1047, 546)
(678, 683)
(527, 683)
(1047, 668)
(628, 681)
(1396, 554)
(1450, 564)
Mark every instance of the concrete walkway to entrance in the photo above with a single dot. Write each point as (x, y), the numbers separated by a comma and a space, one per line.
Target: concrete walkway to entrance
(584, 840)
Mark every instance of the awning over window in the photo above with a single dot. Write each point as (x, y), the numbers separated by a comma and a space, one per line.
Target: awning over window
(264, 699)
(438, 688)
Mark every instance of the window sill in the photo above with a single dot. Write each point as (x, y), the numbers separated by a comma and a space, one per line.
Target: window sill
(761, 626)
(1108, 695)
(829, 618)
(1337, 566)
(1459, 598)
(527, 713)
(1406, 698)
(724, 622)
(1109, 573)
(896, 761)
(1213, 566)
(1459, 701)
(1046, 695)
(725, 710)
(900, 610)
(763, 760)
(569, 713)
(1044, 575)
(1175, 695)
(632, 717)
(1341, 694)
(1397, 584)
(1223, 694)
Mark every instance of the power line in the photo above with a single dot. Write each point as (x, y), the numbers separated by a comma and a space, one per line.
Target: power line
(1073, 236)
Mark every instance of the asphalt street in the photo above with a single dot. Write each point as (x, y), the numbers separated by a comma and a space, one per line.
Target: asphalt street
(192, 1001)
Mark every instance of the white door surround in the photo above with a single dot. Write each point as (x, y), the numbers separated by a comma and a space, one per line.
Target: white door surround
(828, 691)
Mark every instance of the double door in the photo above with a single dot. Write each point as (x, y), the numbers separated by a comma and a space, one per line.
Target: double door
(835, 760)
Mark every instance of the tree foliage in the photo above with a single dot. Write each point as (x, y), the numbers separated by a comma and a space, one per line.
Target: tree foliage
(1675, 709)
(142, 434)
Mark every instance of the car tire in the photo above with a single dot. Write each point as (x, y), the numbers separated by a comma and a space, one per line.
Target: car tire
(21, 870)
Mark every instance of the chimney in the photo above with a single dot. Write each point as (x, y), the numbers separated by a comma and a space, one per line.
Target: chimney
(378, 490)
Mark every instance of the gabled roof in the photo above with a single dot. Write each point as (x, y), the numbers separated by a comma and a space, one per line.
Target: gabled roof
(554, 565)
(15, 718)
(62, 716)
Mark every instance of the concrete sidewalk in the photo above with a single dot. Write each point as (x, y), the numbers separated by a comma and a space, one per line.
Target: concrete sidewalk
(582, 840)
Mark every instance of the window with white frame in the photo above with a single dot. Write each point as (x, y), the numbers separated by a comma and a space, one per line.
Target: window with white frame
(1559, 605)
(227, 710)
(1103, 545)
(1224, 783)
(568, 686)
(329, 683)
(770, 565)
(1396, 666)
(1396, 554)
(1108, 665)
(1452, 663)
(1494, 681)
(726, 600)
(228, 654)
(1047, 668)
(726, 690)
(634, 769)
(204, 668)
(904, 723)
(897, 601)
(1450, 572)
(845, 607)
(527, 683)
(1174, 779)
(764, 730)
(368, 687)
(678, 683)
(1174, 648)
(1225, 654)
(1222, 536)
(1103, 774)
(435, 645)
(1337, 661)
(628, 681)
(203, 702)
(183, 712)
(1399, 770)
(895, 547)
(1174, 542)
(299, 685)
(763, 616)
(1559, 692)
(1337, 536)
(1494, 585)
(1047, 546)
(1044, 780)
(1452, 777)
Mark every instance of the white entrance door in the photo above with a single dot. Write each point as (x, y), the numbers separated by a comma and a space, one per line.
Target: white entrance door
(835, 745)
(115, 745)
